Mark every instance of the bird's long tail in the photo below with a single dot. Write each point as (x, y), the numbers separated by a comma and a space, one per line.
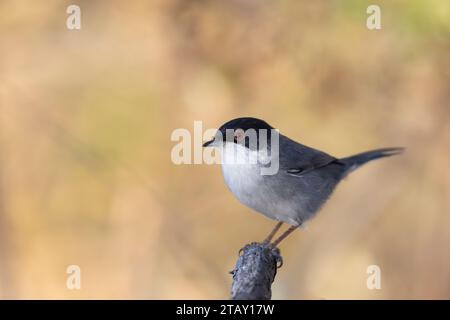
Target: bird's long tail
(359, 159)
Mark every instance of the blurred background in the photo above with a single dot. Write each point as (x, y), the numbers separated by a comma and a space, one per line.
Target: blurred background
(86, 116)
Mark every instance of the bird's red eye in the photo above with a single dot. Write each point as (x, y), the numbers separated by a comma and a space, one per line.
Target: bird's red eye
(239, 135)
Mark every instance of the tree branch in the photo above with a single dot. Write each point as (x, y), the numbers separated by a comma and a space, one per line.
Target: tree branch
(255, 271)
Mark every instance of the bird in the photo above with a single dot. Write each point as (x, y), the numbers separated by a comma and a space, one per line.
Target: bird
(304, 180)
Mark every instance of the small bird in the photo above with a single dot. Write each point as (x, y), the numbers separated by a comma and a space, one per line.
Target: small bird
(304, 181)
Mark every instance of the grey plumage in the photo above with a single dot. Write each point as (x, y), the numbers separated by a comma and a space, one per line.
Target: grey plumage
(305, 179)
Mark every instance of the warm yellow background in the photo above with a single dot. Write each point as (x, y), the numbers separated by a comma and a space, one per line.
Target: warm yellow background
(86, 117)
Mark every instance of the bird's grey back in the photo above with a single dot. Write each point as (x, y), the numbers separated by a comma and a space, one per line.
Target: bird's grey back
(306, 178)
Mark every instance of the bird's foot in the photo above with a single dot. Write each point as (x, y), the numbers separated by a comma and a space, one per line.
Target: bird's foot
(274, 251)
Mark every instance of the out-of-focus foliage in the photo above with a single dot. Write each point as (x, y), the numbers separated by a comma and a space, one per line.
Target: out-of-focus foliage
(86, 117)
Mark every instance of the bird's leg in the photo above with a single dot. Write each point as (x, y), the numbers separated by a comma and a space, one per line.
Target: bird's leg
(284, 235)
(272, 233)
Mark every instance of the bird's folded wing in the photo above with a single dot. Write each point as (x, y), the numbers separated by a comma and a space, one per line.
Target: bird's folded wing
(297, 159)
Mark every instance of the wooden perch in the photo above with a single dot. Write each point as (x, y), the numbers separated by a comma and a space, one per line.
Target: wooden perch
(254, 272)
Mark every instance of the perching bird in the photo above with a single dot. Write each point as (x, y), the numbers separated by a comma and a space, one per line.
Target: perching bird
(305, 178)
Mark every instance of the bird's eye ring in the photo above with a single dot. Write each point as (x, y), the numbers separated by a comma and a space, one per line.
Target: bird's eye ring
(239, 135)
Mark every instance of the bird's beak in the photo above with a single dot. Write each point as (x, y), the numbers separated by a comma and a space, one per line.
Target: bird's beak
(207, 143)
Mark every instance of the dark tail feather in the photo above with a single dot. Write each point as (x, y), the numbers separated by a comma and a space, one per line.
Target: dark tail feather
(359, 159)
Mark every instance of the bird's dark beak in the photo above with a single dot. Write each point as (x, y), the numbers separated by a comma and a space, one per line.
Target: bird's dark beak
(207, 143)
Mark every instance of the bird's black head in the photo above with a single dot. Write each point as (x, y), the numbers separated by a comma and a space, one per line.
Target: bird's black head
(245, 124)
(243, 128)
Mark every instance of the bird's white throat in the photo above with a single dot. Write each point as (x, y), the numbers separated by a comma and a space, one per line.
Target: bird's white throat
(241, 169)
(236, 154)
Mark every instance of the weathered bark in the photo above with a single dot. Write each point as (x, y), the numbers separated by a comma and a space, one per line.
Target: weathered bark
(254, 272)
